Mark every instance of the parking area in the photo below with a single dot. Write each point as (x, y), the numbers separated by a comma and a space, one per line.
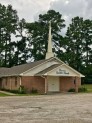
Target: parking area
(57, 108)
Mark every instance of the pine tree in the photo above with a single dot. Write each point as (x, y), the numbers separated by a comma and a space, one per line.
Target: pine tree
(8, 27)
(87, 41)
(39, 34)
(74, 46)
(21, 54)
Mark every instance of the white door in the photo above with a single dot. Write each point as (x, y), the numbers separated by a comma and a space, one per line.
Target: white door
(53, 84)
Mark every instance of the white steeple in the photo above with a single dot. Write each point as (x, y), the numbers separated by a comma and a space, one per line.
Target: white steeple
(49, 53)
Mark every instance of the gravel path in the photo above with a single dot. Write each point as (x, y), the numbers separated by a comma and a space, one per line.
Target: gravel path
(60, 108)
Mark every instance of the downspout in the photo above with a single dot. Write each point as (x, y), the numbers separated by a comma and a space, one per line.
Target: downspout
(76, 84)
(20, 83)
(10, 84)
(45, 84)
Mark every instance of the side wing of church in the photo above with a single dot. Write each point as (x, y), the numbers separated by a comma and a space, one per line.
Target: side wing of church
(48, 75)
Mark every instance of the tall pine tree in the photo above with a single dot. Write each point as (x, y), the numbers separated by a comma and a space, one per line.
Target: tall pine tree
(39, 34)
(74, 46)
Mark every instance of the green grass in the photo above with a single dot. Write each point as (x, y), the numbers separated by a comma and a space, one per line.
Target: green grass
(3, 95)
(88, 86)
(27, 94)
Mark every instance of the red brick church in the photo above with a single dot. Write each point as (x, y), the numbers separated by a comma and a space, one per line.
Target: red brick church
(48, 75)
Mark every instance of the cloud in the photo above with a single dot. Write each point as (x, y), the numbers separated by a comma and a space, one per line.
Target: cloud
(89, 9)
(72, 8)
(28, 9)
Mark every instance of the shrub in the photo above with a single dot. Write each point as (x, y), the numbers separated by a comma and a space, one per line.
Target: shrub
(11, 91)
(34, 90)
(3, 89)
(22, 90)
(71, 90)
(82, 89)
(14, 91)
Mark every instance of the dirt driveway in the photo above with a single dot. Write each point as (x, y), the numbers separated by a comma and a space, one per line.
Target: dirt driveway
(60, 108)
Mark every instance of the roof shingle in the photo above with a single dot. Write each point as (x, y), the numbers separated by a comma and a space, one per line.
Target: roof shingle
(17, 70)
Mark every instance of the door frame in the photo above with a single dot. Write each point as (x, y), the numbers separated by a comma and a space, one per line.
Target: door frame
(57, 85)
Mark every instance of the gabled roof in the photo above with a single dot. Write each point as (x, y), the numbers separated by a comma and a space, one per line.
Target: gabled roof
(47, 70)
(52, 68)
(16, 70)
(67, 69)
(4, 71)
(20, 69)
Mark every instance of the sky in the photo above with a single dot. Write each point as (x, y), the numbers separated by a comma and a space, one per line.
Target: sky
(30, 9)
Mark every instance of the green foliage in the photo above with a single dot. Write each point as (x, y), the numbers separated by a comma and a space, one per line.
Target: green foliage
(31, 40)
(82, 89)
(87, 42)
(39, 34)
(11, 26)
(33, 91)
(88, 87)
(11, 91)
(21, 54)
(78, 43)
(22, 90)
(74, 44)
(87, 71)
(3, 95)
(71, 90)
(8, 25)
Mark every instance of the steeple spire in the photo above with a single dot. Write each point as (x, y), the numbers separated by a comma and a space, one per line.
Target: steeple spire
(49, 53)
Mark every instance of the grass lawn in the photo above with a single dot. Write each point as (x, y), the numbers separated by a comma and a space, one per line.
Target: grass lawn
(35, 94)
(88, 86)
(3, 95)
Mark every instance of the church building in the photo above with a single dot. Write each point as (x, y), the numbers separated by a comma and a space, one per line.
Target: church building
(45, 76)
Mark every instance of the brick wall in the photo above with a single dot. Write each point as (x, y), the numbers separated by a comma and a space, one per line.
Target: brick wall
(33, 82)
(67, 83)
(15, 85)
(5, 83)
(9, 83)
(38, 83)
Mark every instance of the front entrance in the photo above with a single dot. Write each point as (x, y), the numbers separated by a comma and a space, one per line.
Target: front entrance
(53, 84)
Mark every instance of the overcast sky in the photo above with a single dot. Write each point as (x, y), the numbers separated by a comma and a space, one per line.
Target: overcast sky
(30, 9)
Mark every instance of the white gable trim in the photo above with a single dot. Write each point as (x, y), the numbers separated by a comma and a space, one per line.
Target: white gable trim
(42, 64)
(59, 60)
(54, 68)
(80, 75)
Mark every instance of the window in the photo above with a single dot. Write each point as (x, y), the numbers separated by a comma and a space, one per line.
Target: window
(15, 81)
